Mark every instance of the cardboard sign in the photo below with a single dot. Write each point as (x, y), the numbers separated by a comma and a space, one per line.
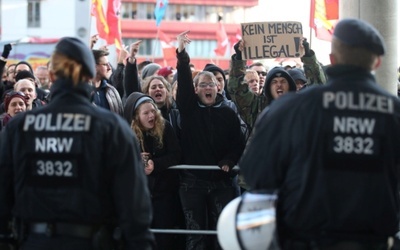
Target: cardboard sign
(271, 39)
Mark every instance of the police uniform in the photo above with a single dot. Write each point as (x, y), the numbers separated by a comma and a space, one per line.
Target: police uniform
(71, 173)
(332, 154)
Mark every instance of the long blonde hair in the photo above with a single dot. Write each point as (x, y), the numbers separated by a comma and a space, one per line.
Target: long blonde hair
(64, 67)
(156, 132)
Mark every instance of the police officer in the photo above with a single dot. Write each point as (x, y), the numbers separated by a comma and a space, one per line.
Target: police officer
(332, 152)
(70, 173)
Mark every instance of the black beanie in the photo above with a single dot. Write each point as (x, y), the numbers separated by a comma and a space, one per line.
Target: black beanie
(24, 75)
(212, 67)
(132, 103)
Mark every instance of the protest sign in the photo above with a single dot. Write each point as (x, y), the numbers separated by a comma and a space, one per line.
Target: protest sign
(271, 39)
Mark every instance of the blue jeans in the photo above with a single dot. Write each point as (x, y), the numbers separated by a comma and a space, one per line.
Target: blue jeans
(202, 203)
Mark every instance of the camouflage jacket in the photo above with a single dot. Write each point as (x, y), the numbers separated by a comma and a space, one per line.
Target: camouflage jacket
(249, 104)
(313, 70)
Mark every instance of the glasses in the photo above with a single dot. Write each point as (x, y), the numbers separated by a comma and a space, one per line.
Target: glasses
(263, 73)
(206, 84)
(104, 64)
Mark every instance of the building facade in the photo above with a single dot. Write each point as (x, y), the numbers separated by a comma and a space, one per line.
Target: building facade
(201, 17)
(21, 19)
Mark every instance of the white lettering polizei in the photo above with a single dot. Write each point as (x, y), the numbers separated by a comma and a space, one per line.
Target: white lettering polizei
(63, 122)
(364, 101)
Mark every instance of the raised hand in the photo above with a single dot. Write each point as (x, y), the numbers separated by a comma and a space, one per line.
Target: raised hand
(93, 40)
(123, 54)
(134, 48)
(239, 47)
(183, 40)
(6, 50)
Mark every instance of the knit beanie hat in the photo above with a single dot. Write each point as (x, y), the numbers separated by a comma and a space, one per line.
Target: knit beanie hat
(297, 74)
(132, 103)
(165, 71)
(24, 75)
(11, 95)
(212, 67)
(149, 70)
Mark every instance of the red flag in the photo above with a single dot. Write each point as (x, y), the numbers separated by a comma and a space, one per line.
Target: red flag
(169, 51)
(332, 9)
(236, 38)
(108, 26)
(114, 23)
(101, 21)
(222, 41)
(323, 17)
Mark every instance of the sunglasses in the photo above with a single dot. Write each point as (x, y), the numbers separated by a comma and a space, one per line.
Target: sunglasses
(263, 73)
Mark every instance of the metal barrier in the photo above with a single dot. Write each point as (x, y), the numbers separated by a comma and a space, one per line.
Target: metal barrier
(184, 231)
(187, 231)
(200, 167)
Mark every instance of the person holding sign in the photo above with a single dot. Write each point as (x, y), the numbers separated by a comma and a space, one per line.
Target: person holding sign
(278, 82)
(312, 68)
(331, 152)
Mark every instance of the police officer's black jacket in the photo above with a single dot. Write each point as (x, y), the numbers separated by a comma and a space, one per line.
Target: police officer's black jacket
(332, 152)
(73, 162)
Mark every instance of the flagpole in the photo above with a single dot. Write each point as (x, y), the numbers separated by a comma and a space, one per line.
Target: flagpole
(310, 37)
(156, 43)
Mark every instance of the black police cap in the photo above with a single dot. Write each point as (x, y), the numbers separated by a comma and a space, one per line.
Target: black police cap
(78, 51)
(358, 33)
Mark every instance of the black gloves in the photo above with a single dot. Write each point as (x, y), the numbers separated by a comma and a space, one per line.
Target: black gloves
(6, 50)
(307, 51)
(238, 52)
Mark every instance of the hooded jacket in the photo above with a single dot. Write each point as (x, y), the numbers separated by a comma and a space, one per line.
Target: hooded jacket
(273, 73)
(210, 135)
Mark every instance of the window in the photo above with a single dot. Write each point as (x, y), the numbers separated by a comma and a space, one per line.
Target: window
(152, 48)
(184, 12)
(33, 13)
(129, 10)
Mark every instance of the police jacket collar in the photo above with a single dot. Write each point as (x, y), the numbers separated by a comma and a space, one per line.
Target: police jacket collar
(66, 86)
(340, 71)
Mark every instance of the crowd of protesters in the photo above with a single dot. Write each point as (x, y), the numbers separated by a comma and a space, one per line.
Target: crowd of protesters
(179, 116)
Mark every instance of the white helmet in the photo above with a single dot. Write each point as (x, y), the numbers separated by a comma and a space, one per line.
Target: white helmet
(247, 222)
